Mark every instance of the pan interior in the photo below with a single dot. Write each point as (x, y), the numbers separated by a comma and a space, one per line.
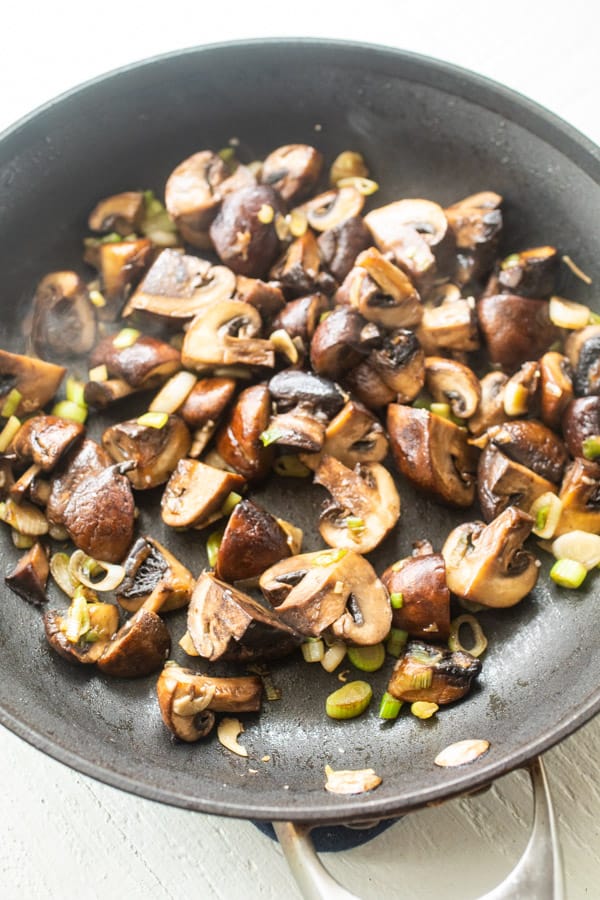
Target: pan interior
(426, 130)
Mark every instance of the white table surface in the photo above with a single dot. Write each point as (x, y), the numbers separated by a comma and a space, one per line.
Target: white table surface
(64, 835)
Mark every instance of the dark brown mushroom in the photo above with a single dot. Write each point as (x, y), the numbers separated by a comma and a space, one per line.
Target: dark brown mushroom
(266, 296)
(298, 269)
(139, 648)
(145, 362)
(502, 482)
(245, 243)
(42, 440)
(381, 292)
(93, 501)
(490, 411)
(530, 273)
(225, 623)
(451, 381)
(353, 436)
(580, 498)
(238, 441)
(195, 494)
(177, 286)
(291, 389)
(36, 381)
(581, 421)
(226, 334)
(149, 564)
(400, 364)
(515, 329)
(301, 317)
(477, 224)
(103, 620)
(193, 190)
(433, 454)
(121, 265)
(207, 401)
(583, 351)
(339, 246)
(63, 322)
(531, 444)
(556, 388)
(155, 451)
(293, 170)
(368, 386)
(121, 213)
(487, 564)
(29, 577)
(422, 607)
(253, 540)
(432, 674)
(341, 340)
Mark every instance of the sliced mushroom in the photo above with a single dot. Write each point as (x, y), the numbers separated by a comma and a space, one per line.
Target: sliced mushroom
(298, 269)
(195, 494)
(556, 387)
(253, 540)
(364, 505)
(581, 420)
(148, 565)
(433, 454)
(341, 340)
(226, 334)
(400, 363)
(29, 577)
(530, 273)
(452, 326)
(93, 500)
(433, 674)
(122, 213)
(193, 190)
(291, 389)
(368, 386)
(238, 441)
(63, 321)
(207, 401)
(487, 564)
(225, 623)
(301, 428)
(580, 498)
(477, 224)
(533, 445)
(36, 381)
(103, 624)
(353, 436)
(144, 363)
(420, 584)
(381, 292)
(155, 451)
(43, 440)
(244, 242)
(328, 210)
(178, 286)
(121, 266)
(293, 170)
(515, 329)
(502, 482)
(301, 317)
(266, 296)
(451, 381)
(139, 648)
(583, 351)
(339, 246)
(490, 411)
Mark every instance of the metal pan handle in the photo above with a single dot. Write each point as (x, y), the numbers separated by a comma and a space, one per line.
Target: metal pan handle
(537, 875)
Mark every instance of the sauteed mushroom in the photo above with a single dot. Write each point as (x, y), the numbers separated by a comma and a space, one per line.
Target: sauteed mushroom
(502, 482)
(238, 441)
(330, 209)
(300, 317)
(477, 223)
(120, 213)
(381, 292)
(121, 266)
(448, 380)
(148, 565)
(487, 564)
(36, 381)
(193, 190)
(581, 421)
(303, 403)
(339, 246)
(556, 387)
(141, 645)
(424, 599)
(29, 577)
(580, 498)
(451, 326)
(195, 494)
(533, 445)
(293, 170)
(490, 411)
(243, 242)
(207, 401)
(433, 674)
(583, 351)
(91, 638)
(515, 329)
(43, 440)
(154, 451)
(529, 273)
(340, 341)
(253, 540)
(266, 296)
(63, 322)
(226, 334)
(353, 436)
(298, 269)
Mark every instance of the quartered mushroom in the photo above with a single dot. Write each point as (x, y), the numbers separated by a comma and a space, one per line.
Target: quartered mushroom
(29, 577)
(381, 292)
(503, 482)
(92, 499)
(121, 265)
(177, 286)
(341, 340)
(418, 584)
(580, 498)
(364, 505)
(81, 634)
(433, 454)
(395, 370)
(142, 644)
(63, 321)
(244, 242)
(487, 564)
(252, 541)
(154, 451)
(556, 387)
(301, 317)
(227, 333)
(193, 191)
(330, 209)
(188, 700)
(530, 273)
(225, 623)
(293, 170)
(490, 410)
(43, 440)
(298, 269)
(195, 494)
(339, 246)
(266, 296)
(121, 213)
(583, 351)
(207, 401)
(238, 441)
(449, 327)
(580, 423)
(353, 436)
(304, 403)
(149, 564)
(36, 380)
(452, 382)
(477, 224)
(531, 444)
(433, 674)
(515, 329)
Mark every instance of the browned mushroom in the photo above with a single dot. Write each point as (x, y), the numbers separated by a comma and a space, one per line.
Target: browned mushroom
(225, 623)
(36, 381)
(139, 648)
(42, 440)
(93, 501)
(195, 494)
(81, 634)
(207, 401)
(341, 340)
(515, 329)
(556, 387)
(477, 224)
(353, 436)
(364, 505)
(266, 296)
(121, 265)
(583, 351)
(253, 540)
(381, 292)
(328, 210)
(502, 482)
(29, 577)
(148, 565)
(339, 246)
(581, 421)
(490, 411)
(580, 498)
(154, 450)
(487, 564)
(178, 286)
(451, 326)
(121, 213)
(193, 190)
(433, 454)
(432, 674)
(298, 269)
(301, 317)
(245, 243)
(422, 599)
(303, 403)
(451, 381)
(530, 273)
(63, 322)
(238, 441)
(226, 334)
(531, 444)
(293, 170)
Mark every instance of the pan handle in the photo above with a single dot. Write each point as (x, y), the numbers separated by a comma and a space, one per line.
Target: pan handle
(537, 875)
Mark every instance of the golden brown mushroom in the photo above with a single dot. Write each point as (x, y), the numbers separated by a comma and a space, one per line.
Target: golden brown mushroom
(195, 494)
(149, 564)
(433, 674)
(122, 213)
(252, 541)
(293, 170)
(422, 606)
(36, 381)
(155, 451)
(29, 577)
(63, 322)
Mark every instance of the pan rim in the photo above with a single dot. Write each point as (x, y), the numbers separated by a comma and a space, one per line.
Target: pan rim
(488, 94)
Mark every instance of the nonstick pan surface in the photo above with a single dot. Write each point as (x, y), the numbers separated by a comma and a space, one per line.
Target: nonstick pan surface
(426, 129)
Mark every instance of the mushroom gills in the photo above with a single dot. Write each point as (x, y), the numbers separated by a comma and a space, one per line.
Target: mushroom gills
(148, 565)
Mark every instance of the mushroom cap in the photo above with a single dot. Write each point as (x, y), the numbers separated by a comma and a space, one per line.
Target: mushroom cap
(293, 170)
(297, 269)
(353, 436)
(556, 388)
(77, 654)
(29, 577)
(43, 439)
(300, 317)
(144, 363)
(292, 388)
(155, 451)
(515, 329)
(450, 381)
(448, 675)
(139, 648)
(207, 401)
(192, 191)
(487, 564)
(253, 540)
(503, 482)
(580, 498)
(400, 363)
(490, 410)
(63, 322)
(339, 246)
(425, 610)
(381, 292)
(121, 265)
(266, 296)
(338, 343)
(36, 380)
(583, 351)
(238, 440)
(195, 494)
(581, 420)
(528, 442)
(450, 326)
(122, 213)
(243, 242)
(530, 273)
(330, 209)
(226, 334)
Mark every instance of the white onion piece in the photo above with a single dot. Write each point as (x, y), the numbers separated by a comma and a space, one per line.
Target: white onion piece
(59, 569)
(81, 565)
(227, 732)
(581, 546)
(333, 656)
(174, 393)
(568, 314)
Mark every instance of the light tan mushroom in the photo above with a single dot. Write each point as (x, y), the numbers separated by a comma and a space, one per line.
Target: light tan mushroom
(556, 387)
(381, 292)
(451, 381)
(452, 326)
(502, 482)
(149, 564)
(353, 436)
(226, 334)
(155, 451)
(36, 381)
(490, 411)
(580, 498)
(195, 494)
(121, 213)
(330, 209)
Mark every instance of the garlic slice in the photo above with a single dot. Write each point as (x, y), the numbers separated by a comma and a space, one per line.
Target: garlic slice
(351, 781)
(461, 753)
(228, 731)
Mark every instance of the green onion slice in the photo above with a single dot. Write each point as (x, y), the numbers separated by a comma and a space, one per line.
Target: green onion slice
(568, 573)
(349, 701)
(479, 642)
(212, 546)
(396, 641)
(11, 404)
(367, 659)
(397, 599)
(389, 707)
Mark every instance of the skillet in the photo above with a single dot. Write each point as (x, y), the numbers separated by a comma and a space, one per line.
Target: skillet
(427, 129)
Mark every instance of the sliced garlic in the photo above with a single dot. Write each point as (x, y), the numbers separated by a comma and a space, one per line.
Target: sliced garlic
(351, 781)
(461, 753)
(227, 732)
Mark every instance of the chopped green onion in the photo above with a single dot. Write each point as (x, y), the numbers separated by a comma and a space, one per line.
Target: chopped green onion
(396, 641)
(157, 224)
(227, 154)
(397, 599)
(354, 524)
(126, 338)
(98, 373)
(74, 391)
(568, 573)
(367, 659)
(298, 223)
(289, 466)
(441, 409)
(422, 709)
(541, 517)
(11, 404)
(513, 260)
(66, 409)
(364, 186)
(594, 318)
(156, 420)
(212, 547)
(389, 707)
(546, 511)
(112, 238)
(324, 315)
(421, 681)
(313, 650)
(328, 557)
(591, 446)
(423, 401)
(97, 299)
(77, 621)
(479, 643)
(349, 701)
(270, 436)
(8, 432)
(231, 501)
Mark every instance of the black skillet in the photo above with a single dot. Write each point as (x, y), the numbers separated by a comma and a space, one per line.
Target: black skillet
(427, 129)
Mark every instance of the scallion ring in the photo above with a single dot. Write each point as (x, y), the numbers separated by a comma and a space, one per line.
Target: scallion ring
(479, 639)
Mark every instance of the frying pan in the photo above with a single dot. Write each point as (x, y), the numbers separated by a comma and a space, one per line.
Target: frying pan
(427, 129)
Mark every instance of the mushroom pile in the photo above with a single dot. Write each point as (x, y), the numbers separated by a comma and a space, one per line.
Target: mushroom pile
(259, 323)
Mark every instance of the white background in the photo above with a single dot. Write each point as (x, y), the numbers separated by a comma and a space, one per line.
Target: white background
(63, 835)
